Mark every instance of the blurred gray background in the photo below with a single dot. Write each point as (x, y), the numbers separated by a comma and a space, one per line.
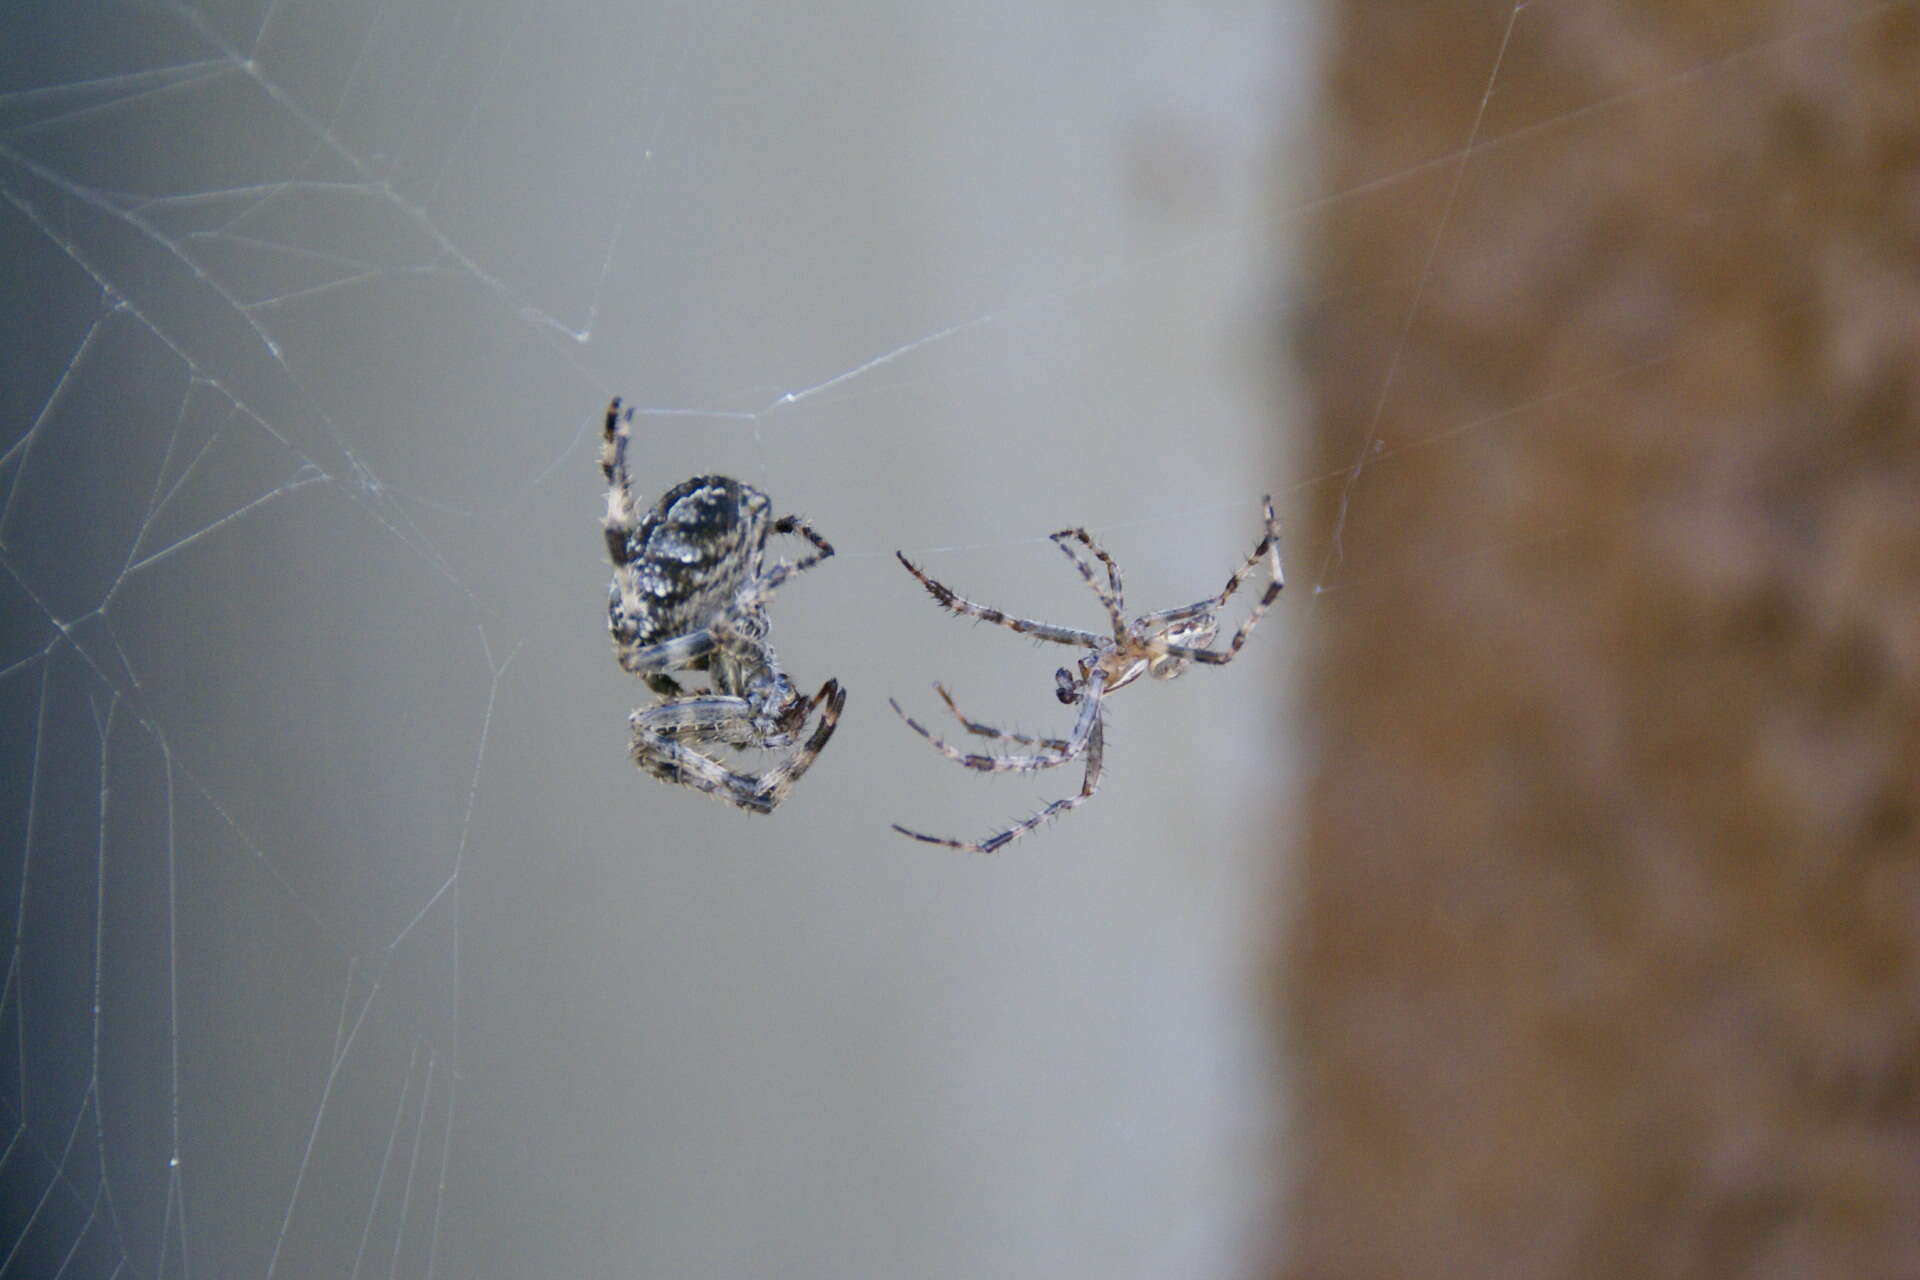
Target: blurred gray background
(343, 939)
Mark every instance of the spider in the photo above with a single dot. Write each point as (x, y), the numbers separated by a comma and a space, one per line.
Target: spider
(690, 590)
(1161, 645)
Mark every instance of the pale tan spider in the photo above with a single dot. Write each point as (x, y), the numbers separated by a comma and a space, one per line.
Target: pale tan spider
(1161, 645)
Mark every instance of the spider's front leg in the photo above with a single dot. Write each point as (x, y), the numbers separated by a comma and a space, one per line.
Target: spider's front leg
(620, 518)
(1113, 596)
(1001, 735)
(777, 782)
(1088, 739)
(660, 747)
(950, 600)
(625, 600)
(655, 660)
(1199, 618)
(798, 526)
(665, 737)
(1089, 784)
(1054, 751)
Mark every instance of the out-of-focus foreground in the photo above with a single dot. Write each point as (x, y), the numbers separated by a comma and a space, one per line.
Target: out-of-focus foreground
(1607, 959)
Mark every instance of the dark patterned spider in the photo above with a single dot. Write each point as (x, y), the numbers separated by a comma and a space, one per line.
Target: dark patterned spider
(1161, 645)
(689, 594)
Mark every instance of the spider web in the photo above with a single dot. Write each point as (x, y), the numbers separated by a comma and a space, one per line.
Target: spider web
(342, 938)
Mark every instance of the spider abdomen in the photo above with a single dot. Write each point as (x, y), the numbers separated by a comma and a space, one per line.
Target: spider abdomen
(700, 541)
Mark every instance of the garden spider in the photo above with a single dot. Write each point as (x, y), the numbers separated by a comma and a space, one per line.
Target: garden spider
(689, 593)
(1161, 645)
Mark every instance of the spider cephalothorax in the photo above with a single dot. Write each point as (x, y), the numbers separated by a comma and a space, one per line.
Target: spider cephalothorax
(1161, 645)
(691, 582)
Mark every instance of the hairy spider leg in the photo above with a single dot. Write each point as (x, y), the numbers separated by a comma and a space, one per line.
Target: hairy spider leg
(658, 659)
(613, 465)
(988, 731)
(1269, 548)
(620, 520)
(1090, 784)
(798, 526)
(1025, 626)
(753, 595)
(1112, 595)
(655, 751)
(1075, 743)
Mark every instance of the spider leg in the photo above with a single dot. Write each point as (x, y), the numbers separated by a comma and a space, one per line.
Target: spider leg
(994, 843)
(988, 731)
(705, 717)
(659, 753)
(743, 623)
(613, 463)
(968, 609)
(754, 594)
(1221, 657)
(1046, 759)
(798, 526)
(777, 782)
(668, 654)
(625, 603)
(620, 518)
(1113, 595)
(1269, 548)
(656, 748)
(1149, 621)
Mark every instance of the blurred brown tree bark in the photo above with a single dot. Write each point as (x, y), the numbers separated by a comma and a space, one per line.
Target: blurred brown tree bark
(1607, 955)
